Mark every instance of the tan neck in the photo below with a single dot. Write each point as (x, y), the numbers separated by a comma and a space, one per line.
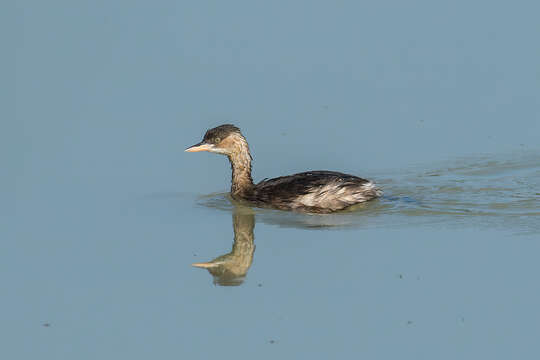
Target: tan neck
(240, 160)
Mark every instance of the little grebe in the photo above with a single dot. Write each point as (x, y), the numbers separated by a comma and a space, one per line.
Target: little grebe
(312, 191)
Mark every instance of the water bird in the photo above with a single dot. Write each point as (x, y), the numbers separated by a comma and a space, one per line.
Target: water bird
(318, 191)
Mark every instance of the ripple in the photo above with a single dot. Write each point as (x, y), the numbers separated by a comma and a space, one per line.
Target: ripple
(486, 191)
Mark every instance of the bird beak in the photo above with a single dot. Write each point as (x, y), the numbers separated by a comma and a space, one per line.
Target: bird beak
(202, 146)
(207, 265)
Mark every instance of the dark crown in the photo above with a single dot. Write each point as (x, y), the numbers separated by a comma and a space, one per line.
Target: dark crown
(219, 133)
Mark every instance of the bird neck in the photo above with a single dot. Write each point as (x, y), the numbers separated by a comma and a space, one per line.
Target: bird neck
(240, 160)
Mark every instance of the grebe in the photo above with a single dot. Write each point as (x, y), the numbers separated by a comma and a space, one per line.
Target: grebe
(312, 191)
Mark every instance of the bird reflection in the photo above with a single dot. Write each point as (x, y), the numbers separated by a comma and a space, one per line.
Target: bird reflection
(231, 269)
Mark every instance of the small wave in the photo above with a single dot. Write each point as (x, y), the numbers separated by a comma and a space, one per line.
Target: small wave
(486, 191)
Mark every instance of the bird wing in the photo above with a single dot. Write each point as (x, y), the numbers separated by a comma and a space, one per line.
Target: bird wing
(288, 188)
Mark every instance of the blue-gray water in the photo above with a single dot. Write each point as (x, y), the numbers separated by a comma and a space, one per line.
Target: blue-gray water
(102, 213)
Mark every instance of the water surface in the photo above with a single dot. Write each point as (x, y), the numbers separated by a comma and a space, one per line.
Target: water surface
(102, 213)
(484, 191)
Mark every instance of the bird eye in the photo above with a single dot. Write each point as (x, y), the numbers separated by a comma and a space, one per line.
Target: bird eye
(217, 140)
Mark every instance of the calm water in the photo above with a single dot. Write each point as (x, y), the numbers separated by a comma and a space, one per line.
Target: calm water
(103, 214)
